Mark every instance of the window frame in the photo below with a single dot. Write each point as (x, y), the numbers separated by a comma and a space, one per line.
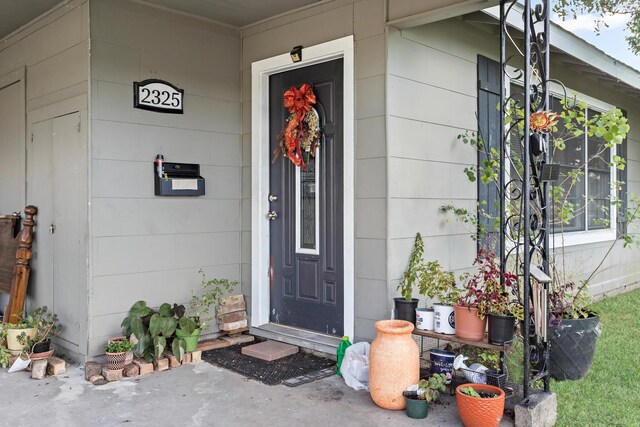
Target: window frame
(581, 237)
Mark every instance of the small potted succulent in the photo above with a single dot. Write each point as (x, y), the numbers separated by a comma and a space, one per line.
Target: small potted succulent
(480, 404)
(116, 352)
(427, 391)
(46, 327)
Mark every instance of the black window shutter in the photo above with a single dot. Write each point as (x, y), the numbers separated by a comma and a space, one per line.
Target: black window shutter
(489, 133)
(621, 176)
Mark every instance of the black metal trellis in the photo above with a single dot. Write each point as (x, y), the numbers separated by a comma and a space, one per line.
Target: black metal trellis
(524, 240)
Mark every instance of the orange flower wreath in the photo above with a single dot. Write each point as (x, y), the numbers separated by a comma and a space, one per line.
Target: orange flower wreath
(301, 136)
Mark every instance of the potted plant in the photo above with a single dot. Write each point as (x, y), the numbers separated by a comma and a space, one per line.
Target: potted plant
(47, 326)
(405, 306)
(440, 284)
(25, 329)
(195, 317)
(470, 322)
(573, 330)
(128, 359)
(116, 353)
(153, 330)
(480, 405)
(499, 304)
(427, 391)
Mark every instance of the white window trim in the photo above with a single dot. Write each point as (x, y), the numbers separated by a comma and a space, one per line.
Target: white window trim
(575, 238)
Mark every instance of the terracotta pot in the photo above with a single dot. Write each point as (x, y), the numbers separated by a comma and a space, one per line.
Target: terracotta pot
(469, 326)
(394, 363)
(128, 359)
(480, 412)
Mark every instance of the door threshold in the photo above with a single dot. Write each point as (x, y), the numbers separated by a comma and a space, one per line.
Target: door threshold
(304, 338)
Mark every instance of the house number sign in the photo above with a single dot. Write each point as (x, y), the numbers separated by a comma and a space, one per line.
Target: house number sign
(157, 95)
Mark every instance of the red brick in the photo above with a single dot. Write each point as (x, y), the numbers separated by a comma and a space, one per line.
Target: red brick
(112, 374)
(269, 350)
(238, 339)
(55, 366)
(38, 369)
(91, 369)
(232, 326)
(231, 299)
(207, 345)
(145, 367)
(224, 309)
(161, 364)
(131, 370)
(196, 356)
(173, 361)
(232, 317)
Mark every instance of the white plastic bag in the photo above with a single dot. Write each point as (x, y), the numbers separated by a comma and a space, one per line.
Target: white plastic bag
(355, 366)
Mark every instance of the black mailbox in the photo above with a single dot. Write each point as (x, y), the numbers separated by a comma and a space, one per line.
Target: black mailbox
(178, 179)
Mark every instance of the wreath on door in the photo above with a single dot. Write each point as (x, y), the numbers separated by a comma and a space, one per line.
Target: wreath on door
(301, 135)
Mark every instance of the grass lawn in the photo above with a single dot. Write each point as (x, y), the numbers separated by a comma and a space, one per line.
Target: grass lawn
(610, 394)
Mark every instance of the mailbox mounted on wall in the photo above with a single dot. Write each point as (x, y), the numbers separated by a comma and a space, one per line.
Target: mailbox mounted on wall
(177, 179)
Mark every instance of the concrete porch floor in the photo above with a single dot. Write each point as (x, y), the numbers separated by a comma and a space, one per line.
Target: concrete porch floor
(197, 395)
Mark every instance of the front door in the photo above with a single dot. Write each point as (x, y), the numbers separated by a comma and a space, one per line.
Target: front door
(306, 227)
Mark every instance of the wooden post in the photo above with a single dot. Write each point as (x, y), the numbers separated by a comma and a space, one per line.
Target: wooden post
(21, 269)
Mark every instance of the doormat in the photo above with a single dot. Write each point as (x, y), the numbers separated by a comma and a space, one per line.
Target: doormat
(270, 373)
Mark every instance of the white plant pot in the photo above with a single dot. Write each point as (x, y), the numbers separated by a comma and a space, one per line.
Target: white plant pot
(12, 339)
(443, 319)
(424, 319)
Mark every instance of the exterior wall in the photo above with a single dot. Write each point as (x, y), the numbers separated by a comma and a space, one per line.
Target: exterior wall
(53, 51)
(146, 247)
(329, 21)
(432, 98)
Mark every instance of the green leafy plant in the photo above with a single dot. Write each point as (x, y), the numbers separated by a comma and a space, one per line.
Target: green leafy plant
(153, 330)
(197, 312)
(119, 346)
(25, 322)
(431, 388)
(470, 391)
(414, 271)
(435, 282)
(46, 324)
(568, 298)
(5, 354)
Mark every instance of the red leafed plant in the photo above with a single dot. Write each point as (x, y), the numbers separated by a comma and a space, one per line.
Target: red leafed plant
(484, 291)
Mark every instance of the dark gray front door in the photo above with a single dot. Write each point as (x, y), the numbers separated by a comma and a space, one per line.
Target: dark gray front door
(306, 274)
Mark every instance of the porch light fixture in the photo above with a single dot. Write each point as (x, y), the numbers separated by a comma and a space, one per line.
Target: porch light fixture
(296, 54)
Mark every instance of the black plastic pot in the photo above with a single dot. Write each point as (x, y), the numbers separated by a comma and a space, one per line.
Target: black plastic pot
(501, 329)
(42, 347)
(406, 310)
(573, 343)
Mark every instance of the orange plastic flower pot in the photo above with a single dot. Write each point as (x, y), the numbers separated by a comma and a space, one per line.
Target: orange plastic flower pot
(480, 412)
(469, 326)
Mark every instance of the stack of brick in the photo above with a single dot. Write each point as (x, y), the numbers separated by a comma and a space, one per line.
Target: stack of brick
(232, 314)
(52, 366)
(98, 374)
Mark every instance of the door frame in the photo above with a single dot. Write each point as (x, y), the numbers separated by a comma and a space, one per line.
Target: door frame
(261, 160)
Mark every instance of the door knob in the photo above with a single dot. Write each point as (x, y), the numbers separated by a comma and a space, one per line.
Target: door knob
(272, 215)
(273, 198)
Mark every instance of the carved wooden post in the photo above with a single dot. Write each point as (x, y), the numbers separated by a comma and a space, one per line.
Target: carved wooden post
(21, 270)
